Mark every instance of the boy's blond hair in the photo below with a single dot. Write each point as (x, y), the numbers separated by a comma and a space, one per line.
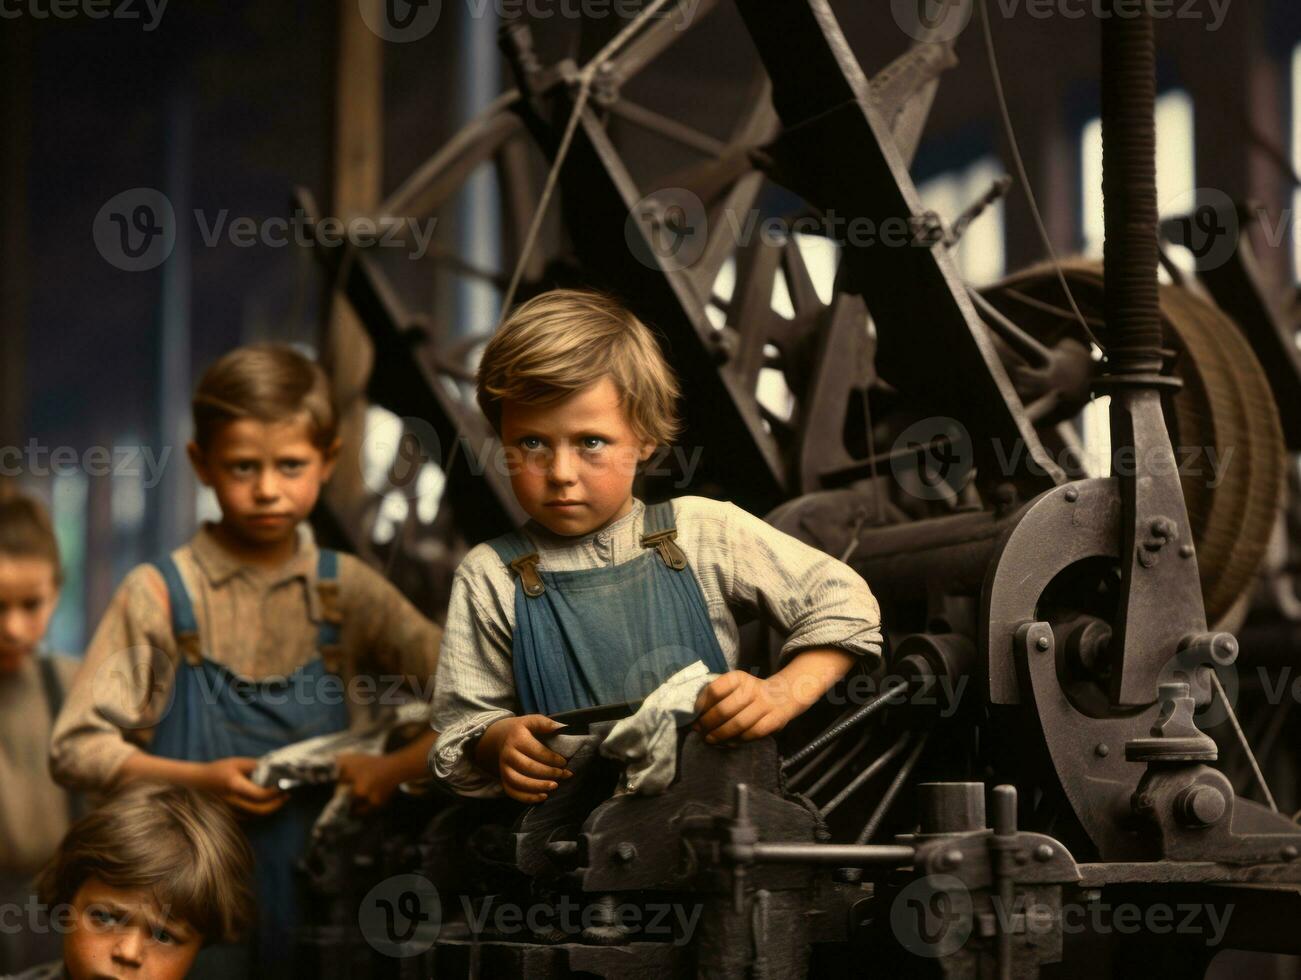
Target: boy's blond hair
(565, 340)
(26, 532)
(182, 846)
(267, 382)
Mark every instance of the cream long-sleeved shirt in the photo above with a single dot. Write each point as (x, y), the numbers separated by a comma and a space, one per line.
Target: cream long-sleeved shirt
(745, 568)
(33, 810)
(259, 624)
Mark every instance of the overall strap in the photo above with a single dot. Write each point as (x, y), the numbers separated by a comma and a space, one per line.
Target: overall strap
(54, 694)
(50, 686)
(329, 633)
(660, 533)
(519, 555)
(184, 625)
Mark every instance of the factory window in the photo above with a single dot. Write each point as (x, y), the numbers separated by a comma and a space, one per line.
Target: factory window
(980, 255)
(1175, 171)
(398, 463)
(1296, 161)
(69, 497)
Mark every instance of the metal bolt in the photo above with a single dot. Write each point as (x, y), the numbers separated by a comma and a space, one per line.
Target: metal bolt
(1185, 551)
(1072, 495)
(625, 851)
(1042, 643)
(1289, 852)
(1102, 750)
(1020, 857)
(1044, 852)
(1200, 806)
(951, 859)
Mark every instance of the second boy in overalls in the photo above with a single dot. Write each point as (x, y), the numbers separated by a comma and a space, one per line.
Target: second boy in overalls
(249, 637)
(599, 597)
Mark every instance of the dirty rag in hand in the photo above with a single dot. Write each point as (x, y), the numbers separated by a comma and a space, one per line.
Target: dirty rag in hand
(647, 742)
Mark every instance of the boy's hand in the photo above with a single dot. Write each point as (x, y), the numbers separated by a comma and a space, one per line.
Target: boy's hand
(740, 706)
(228, 778)
(373, 778)
(528, 769)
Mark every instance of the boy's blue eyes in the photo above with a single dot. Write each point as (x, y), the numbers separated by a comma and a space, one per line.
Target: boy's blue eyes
(285, 466)
(533, 443)
(106, 918)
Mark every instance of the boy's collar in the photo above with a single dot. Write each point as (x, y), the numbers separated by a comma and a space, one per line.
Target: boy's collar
(543, 535)
(219, 565)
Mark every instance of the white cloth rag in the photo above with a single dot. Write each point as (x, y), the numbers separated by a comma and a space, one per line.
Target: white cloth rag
(647, 742)
(312, 760)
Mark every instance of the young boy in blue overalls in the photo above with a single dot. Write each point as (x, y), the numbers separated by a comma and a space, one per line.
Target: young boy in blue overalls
(250, 638)
(598, 598)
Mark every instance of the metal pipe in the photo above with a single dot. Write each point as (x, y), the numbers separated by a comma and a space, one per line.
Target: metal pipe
(839, 855)
(874, 824)
(875, 767)
(840, 763)
(844, 725)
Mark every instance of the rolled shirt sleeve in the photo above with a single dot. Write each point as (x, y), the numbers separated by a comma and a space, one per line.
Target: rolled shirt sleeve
(814, 599)
(382, 626)
(121, 690)
(474, 686)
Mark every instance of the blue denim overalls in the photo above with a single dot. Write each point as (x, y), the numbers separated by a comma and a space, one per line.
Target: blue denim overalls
(597, 636)
(215, 714)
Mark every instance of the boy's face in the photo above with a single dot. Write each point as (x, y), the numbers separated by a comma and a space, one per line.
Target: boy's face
(266, 475)
(28, 597)
(123, 933)
(572, 464)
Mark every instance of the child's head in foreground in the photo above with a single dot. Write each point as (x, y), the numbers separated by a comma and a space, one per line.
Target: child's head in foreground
(579, 392)
(30, 576)
(141, 884)
(265, 440)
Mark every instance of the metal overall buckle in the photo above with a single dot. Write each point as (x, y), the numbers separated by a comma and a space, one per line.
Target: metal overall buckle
(526, 567)
(665, 542)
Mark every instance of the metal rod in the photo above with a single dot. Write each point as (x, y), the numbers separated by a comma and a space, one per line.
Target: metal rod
(872, 769)
(1242, 737)
(874, 824)
(839, 855)
(1021, 342)
(840, 727)
(840, 763)
(812, 765)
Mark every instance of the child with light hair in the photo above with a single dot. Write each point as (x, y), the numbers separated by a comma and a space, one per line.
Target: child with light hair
(250, 637)
(598, 598)
(140, 885)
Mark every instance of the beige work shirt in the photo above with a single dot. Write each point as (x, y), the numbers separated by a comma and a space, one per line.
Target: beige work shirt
(257, 623)
(33, 809)
(746, 569)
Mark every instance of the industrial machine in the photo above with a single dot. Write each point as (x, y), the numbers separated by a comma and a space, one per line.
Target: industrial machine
(1053, 773)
